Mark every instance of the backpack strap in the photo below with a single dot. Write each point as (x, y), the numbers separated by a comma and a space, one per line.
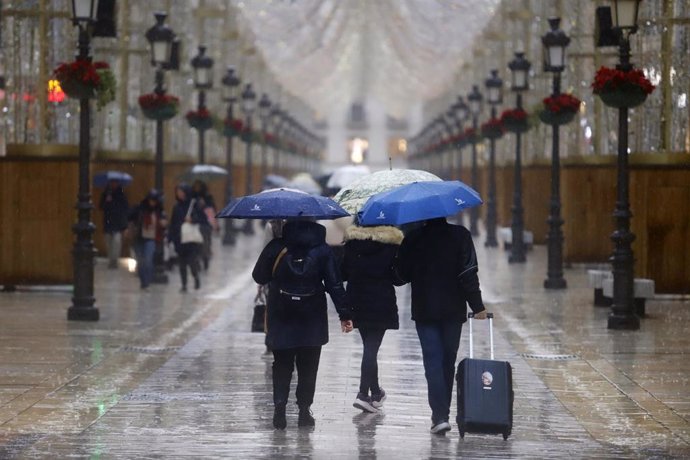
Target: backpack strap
(278, 259)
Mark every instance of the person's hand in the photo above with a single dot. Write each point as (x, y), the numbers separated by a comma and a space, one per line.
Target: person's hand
(480, 315)
(346, 326)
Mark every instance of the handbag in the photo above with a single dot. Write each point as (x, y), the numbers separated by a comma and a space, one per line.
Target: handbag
(190, 232)
(259, 316)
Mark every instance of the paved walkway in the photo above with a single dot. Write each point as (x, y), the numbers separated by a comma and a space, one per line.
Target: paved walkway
(170, 375)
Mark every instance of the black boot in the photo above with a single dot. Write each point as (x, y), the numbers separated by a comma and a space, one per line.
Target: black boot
(305, 418)
(279, 421)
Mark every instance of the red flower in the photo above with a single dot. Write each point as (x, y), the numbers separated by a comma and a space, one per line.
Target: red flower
(201, 113)
(608, 80)
(234, 124)
(513, 116)
(80, 71)
(154, 101)
(494, 124)
(562, 103)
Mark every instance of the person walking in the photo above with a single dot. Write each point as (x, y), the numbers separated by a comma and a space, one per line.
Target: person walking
(186, 209)
(299, 268)
(207, 203)
(368, 269)
(440, 262)
(148, 222)
(115, 212)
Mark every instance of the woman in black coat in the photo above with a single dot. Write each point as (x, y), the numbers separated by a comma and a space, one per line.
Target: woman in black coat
(188, 253)
(299, 268)
(368, 268)
(115, 211)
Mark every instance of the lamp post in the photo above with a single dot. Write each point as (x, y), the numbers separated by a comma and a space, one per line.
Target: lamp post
(494, 89)
(462, 112)
(231, 85)
(264, 116)
(203, 80)
(160, 38)
(519, 68)
(475, 100)
(248, 107)
(555, 41)
(623, 309)
(277, 116)
(82, 308)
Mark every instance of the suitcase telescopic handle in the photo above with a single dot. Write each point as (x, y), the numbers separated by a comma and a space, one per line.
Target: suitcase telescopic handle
(490, 317)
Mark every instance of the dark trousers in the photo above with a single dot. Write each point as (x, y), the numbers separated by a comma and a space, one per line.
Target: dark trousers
(144, 250)
(284, 361)
(188, 254)
(369, 379)
(440, 341)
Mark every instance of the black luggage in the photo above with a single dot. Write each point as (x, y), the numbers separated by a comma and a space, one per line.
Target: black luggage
(485, 392)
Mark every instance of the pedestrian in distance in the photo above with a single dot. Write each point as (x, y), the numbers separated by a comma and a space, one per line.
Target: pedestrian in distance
(115, 212)
(207, 203)
(188, 210)
(299, 268)
(147, 227)
(368, 268)
(440, 262)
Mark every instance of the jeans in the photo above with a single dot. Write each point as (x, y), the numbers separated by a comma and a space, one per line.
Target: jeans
(307, 360)
(144, 250)
(113, 242)
(440, 341)
(369, 380)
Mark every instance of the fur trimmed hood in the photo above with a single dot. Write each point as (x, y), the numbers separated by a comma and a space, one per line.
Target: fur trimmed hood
(381, 234)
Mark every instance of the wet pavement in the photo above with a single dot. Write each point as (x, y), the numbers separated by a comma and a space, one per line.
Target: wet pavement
(171, 375)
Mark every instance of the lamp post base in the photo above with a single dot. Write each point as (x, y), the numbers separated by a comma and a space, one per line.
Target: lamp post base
(83, 313)
(555, 283)
(623, 322)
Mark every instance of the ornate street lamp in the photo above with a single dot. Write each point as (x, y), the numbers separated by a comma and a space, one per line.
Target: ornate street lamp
(277, 116)
(203, 80)
(555, 42)
(494, 91)
(264, 116)
(248, 107)
(451, 124)
(475, 101)
(231, 86)
(519, 68)
(82, 308)
(462, 112)
(623, 307)
(160, 38)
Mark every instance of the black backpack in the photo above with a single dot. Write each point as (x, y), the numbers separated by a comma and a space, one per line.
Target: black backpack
(297, 277)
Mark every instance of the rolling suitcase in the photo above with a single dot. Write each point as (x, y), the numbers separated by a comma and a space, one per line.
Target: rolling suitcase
(485, 392)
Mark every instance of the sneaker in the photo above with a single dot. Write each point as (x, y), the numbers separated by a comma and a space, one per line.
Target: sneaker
(305, 417)
(364, 403)
(377, 399)
(279, 420)
(441, 427)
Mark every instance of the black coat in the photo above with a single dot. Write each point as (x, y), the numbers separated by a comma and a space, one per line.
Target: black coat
(440, 261)
(177, 218)
(368, 269)
(115, 210)
(309, 326)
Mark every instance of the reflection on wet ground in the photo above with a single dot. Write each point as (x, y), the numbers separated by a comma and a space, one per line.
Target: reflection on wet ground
(167, 375)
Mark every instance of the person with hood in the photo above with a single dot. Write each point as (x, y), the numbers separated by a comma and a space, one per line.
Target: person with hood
(207, 203)
(299, 268)
(186, 209)
(440, 262)
(115, 212)
(149, 222)
(368, 268)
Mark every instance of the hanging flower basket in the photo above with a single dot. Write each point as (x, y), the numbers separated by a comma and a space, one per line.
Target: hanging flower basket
(159, 106)
(247, 135)
(559, 110)
(515, 121)
(619, 89)
(199, 119)
(471, 136)
(83, 79)
(232, 128)
(492, 129)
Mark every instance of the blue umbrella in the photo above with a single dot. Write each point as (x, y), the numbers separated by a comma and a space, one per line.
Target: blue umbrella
(101, 179)
(418, 201)
(282, 204)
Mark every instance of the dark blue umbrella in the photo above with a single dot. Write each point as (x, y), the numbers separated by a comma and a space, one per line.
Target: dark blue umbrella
(101, 179)
(282, 204)
(418, 201)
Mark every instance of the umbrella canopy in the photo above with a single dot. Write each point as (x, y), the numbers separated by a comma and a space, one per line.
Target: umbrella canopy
(353, 197)
(283, 204)
(204, 173)
(305, 183)
(345, 175)
(102, 179)
(418, 201)
(275, 181)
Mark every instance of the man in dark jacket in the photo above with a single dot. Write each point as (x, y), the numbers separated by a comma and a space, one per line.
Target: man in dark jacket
(299, 268)
(186, 209)
(115, 212)
(440, 261)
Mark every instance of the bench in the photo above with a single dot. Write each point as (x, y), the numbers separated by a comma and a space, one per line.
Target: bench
(643, 289)
(596, 281)
(505, 234)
